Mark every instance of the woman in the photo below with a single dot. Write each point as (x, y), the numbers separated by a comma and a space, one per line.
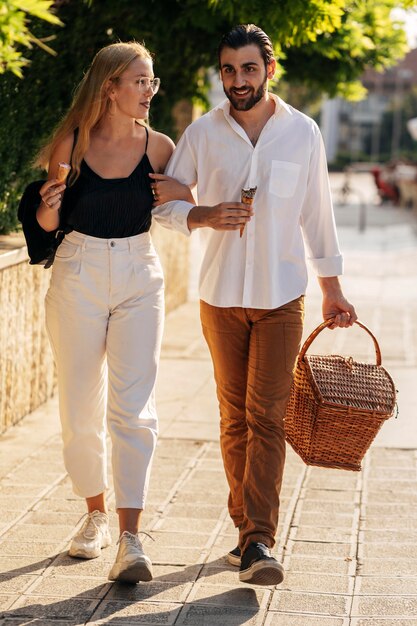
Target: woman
(104, 307)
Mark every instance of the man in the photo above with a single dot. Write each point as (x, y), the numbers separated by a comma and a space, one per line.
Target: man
(252, 287)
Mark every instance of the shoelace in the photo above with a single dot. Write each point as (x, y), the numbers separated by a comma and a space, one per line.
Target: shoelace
(90, 528)
(134, 539)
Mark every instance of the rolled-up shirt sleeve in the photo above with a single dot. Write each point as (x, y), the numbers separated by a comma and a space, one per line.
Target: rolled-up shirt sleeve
(182, 166)
(317, 216)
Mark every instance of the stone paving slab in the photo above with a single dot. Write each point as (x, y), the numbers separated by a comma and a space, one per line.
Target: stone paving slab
(404, 606)
(186, 525)
(325, 583)
(387, 536)
(154, 591)
(319, 565)
(56, 586)
(326, 509)
(324, 519)
(380, 495)
(391, 510)
(244, 596)
(39, 622)
(182, 540)
(176, 573)
(51, 608)
(33, 548)
(13, 566)
(402, 621)
(16, 584)
(136, 613)
(389, 551)
(311, 548)
(316, 603)
(322, 496)
(386, 586)
(288, 619)
(96, 568)
(396, 567)
(204, 615)
(326, 535)
(218, 573)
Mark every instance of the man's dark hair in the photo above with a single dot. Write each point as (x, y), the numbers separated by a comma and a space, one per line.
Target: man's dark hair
(245, 35)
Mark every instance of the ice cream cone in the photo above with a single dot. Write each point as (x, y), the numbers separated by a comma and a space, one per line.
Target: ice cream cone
(63, 171)
(247, 196)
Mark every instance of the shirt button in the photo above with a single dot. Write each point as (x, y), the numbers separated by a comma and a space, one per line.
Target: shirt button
(112, 243)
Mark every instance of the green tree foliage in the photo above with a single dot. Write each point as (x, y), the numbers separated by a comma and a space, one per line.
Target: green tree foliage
(324, 44)
(15, 33)
(366, 37)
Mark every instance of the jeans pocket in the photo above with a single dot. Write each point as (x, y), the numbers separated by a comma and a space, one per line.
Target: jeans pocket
(147, 266)
(67, 250)
(67, 260)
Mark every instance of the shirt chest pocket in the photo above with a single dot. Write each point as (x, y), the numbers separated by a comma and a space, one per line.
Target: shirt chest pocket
(284, 178)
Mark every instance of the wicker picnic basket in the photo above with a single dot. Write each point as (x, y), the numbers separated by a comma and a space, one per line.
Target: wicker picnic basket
(337, 406)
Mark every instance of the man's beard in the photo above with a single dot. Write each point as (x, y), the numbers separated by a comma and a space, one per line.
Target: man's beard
(247, 103)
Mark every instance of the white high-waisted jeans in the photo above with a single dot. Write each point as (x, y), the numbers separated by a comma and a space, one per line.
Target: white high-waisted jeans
(104, 317)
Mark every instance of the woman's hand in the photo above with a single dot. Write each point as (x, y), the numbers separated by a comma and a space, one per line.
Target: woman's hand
(51, 194)
(48, 211)
(166, 188)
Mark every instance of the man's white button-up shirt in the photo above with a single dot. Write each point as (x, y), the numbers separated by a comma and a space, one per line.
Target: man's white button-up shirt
(293, 213)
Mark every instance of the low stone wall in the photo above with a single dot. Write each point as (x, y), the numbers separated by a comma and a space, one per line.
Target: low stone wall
(173, 249)
(27, 373)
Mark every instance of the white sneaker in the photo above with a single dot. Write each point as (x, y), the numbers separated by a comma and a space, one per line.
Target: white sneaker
(93, 535)
(132, 564)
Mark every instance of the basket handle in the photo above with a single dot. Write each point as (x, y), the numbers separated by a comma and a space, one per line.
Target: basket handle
(323, 325)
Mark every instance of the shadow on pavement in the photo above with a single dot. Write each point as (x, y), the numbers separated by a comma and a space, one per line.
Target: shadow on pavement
(115, 603)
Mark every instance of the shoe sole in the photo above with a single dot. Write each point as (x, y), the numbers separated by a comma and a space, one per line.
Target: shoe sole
(262, 573)
(82, 553)
(233, 560)
(131, 572)
(79, 553)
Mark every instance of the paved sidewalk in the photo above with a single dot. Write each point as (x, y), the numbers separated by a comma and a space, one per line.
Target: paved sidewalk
(348, 540)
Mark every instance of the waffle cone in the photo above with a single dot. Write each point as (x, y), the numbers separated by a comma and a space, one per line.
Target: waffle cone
(247, 196)
(63, 171)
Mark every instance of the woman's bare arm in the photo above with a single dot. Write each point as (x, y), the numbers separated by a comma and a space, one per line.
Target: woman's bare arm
(52, 191)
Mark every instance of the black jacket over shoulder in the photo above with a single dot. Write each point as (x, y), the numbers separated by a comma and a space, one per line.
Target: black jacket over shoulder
(40, 243)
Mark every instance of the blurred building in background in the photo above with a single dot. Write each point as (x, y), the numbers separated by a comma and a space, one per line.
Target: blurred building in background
(374, 129)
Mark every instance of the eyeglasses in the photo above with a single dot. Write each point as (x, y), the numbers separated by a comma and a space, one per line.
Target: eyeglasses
(144, 83)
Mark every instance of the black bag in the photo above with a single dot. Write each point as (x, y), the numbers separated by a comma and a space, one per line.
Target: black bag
(41, 245)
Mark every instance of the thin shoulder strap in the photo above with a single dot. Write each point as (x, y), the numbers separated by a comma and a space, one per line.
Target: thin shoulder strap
(147, 138)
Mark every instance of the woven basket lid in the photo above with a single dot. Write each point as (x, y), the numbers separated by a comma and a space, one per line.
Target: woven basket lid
(341, 381)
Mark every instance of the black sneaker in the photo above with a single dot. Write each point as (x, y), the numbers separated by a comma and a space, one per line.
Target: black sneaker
(234, 557)
(258, 567)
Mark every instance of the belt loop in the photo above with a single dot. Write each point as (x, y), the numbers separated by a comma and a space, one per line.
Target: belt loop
(131, 245)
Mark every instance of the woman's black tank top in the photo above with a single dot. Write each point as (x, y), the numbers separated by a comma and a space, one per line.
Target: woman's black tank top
(110, 207)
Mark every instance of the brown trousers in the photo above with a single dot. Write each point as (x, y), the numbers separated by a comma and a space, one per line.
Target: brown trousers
(253, 353)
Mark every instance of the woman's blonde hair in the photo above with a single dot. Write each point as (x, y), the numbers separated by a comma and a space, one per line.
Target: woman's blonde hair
(91, 101)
